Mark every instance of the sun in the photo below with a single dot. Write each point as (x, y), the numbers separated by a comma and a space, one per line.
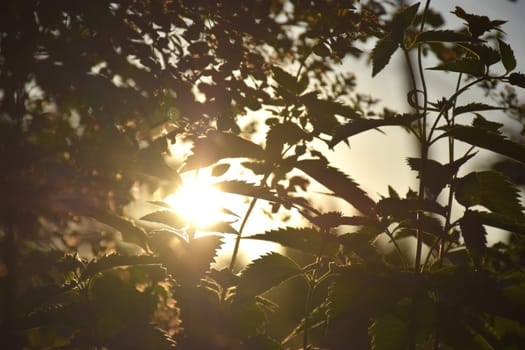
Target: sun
(198, 201)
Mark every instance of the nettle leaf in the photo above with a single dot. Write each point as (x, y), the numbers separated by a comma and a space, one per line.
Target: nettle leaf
(281, 134)
(503, 222)
(477, 24)
(437, 175)
(130, 232)
(400, 209)
(111, 261)
(220, 169)
(306, 240)
(382, 52)
(404, 18)
(487, 139)
(388, 332)
(480, 122)
(484, 53)
(444, 36)
(463, 65)
(338, 182)
(474, 107)
(507, 56)
(316, 318)
(287, 80)
(517, 79)
(492, 190)
(474, 234)
(220, 226)
(321, 50)
(266, 273)
(250, 190)
(220, 145)
(357, 126)
(323, 107)
(166, 217)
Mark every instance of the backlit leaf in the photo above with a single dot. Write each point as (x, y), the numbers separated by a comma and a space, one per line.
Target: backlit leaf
(266, 273)
(166, 217)
(306, 240)
(357, 126)
(250, 190)
(388, 332)
(338, 182)
(382, 52)
(220, 145)
(130, 232)
(503, 222)
(111, 261)
(507, 56)
(474, 234)
(487, 139)
(404, 18)
(491, 190)
(220, 169)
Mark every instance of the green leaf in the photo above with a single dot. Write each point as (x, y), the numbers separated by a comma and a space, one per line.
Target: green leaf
(338, 182)
(388, 332)
(266, 273)
(382, 52)
(357, 126)
(444, 36)
(219, 145)
(306, 240)
(166, 217)
(463, 65)
(487, 139)
(507, 56)
(474, 234)
(111, 261)
(491, 190)
(474, 107)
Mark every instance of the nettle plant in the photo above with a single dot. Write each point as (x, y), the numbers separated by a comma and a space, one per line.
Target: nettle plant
(332, 287)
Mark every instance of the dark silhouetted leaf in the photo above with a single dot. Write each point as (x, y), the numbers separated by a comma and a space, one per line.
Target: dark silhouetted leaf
(486, 54)
(477, 24)
(382, 53)
(307, 240)
(338, 182)
(220, 169)
(444, 36)
(401, 209)
(323, 107)
(464, 65)
(491, 190)
(130, 232)
(286, 80)
(316, 317)
(500, 221)
(166, 217)
(221, 227)
(359, 125)
(111, 261)
(517, 79)
(403, 19)
(474, 234)
(474, 107)
(219, 145)
(266, 273)
(480, 122)
(250, 190)
(487, 139)
(321, 50)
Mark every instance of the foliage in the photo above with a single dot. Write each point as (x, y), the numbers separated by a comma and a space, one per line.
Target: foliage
(93, 98)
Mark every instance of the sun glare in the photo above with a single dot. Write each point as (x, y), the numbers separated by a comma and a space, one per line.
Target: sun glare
(202, 204)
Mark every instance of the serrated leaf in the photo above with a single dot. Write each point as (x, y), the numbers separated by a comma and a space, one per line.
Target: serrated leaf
(477, 24)
(463, 65)
(266, 273)
(404, 18)
(130, 232)
(507, 56)
(250, 190)
(316, 317)
(281, 134)
(500, 221)
(338, 182)
(321, 50)
(444, 36)
(220, 227)
(220, 169)
(480, 122)
(401, 209)
(324, 107)
(307, 240)
(388, 332)
(220, 145)
(166, 217)
(111, 261)
(492, 141)
(474, 234)
(486, 54)
(357, 126)
(474, 107)
(382, 52)
(491, 190)
(286, 80)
